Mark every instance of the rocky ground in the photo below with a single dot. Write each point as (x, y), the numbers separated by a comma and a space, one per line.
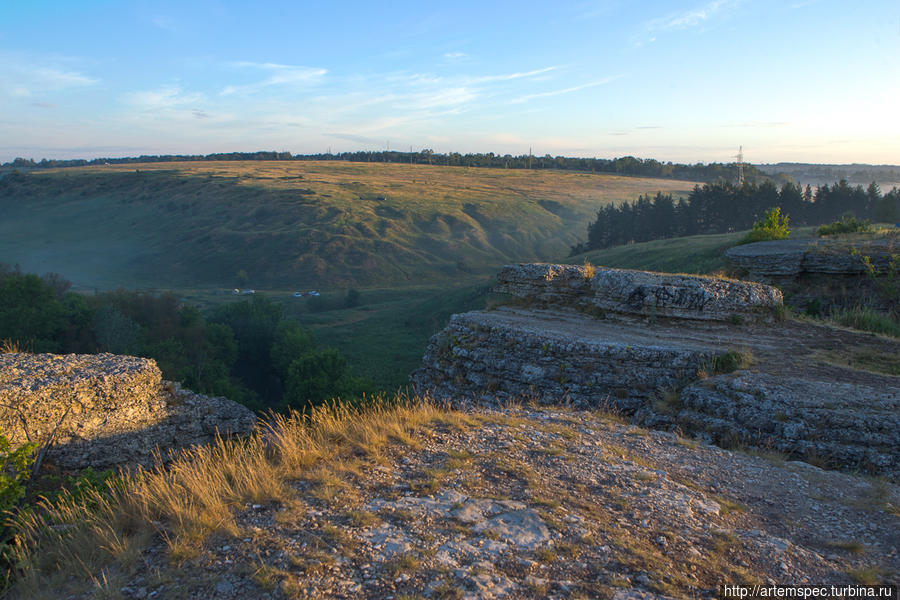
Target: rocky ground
(527, 502)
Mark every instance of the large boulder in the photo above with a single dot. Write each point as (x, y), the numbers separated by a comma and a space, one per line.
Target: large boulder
(102, 410)
(640, 292)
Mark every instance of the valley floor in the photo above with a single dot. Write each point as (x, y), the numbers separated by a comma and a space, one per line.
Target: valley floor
(524, 502)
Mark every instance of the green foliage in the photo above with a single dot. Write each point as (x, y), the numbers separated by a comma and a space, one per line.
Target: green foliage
(32, 314)
(848, 223)
(773, 226)
(291, 342)
(15, 469)
(318, 377)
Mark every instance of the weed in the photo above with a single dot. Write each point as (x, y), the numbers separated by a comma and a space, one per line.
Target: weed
(727, 506)
(545, 555)
(403, 563)
(867, 319)
(868, 575)
(361, 518)
(851, 546)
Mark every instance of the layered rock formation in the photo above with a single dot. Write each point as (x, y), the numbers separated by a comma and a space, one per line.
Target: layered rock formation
(821, 275)
(790, 258)
(650, 345)
(640, 292)
(104, 410)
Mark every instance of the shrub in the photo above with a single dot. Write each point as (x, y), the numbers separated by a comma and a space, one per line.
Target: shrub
(774, 226)
(15, 468)
(848, 223)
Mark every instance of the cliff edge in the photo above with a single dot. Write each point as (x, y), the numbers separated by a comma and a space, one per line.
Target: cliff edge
(696, 354)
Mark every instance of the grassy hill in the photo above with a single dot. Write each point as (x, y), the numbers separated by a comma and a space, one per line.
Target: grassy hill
(295, 225)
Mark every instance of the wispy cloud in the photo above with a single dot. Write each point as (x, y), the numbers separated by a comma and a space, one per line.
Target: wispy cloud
(165, 98)
(279, 75)
(567, 90)
(693, 17)
(455, 55)
(511, 76)
(22, 78)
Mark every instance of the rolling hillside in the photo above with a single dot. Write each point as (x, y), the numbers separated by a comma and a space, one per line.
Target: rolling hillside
(295, 225)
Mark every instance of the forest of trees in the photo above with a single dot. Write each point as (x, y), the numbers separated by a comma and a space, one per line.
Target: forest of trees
(627, 165)
(723, 207)
(246, 351)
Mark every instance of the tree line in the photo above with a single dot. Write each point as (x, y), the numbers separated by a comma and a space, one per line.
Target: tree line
(626, 165)
(722, 207)
(246, 351)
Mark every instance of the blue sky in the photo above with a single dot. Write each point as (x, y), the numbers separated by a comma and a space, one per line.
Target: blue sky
(793, 80)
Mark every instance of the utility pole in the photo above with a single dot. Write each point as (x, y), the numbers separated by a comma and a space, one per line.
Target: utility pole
(529, 157)
(740, 163)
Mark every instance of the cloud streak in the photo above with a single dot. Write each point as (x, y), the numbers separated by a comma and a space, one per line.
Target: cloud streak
(161, 99)
(19, 78)
(693, 17)
(568, 90)
(280, 75)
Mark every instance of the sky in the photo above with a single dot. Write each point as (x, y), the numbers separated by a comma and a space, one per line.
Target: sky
(684, 81)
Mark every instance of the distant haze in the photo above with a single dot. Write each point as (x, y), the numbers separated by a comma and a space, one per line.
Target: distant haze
(812, 81)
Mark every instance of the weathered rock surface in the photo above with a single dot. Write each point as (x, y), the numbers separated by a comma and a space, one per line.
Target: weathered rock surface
(640, 292)
(791, 395)
(823, 274)
(541, 503)
(511, 353)
(834, 256)
(103, 410)
(846, 425)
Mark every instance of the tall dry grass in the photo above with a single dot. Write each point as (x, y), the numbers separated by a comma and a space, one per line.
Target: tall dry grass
(98, 538)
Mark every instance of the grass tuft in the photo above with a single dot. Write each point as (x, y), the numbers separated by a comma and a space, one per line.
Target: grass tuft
(199, 493)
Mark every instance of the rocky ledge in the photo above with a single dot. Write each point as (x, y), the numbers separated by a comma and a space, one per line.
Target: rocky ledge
(790, 258)
(640, 292)
(102, 410)
(811, 391)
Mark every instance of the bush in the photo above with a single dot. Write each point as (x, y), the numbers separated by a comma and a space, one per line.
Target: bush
(773, 226)
(15, 469)
(848, 223)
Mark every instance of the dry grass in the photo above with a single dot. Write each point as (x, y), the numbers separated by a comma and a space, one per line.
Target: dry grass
(198, 494)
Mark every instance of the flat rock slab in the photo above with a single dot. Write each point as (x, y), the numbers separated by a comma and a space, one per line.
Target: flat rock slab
(512, 353)
(103, 410)
(791, 395)
(640, 292)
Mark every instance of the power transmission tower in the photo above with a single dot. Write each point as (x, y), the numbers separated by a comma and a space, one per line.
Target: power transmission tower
(740, 163)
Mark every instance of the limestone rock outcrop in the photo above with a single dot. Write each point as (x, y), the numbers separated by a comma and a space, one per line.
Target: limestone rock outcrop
(822, 275)
(571, 338)
(790, 258)
(104, 410)
(640, 292)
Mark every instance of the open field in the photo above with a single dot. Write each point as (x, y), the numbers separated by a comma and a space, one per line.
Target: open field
(296, 224)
